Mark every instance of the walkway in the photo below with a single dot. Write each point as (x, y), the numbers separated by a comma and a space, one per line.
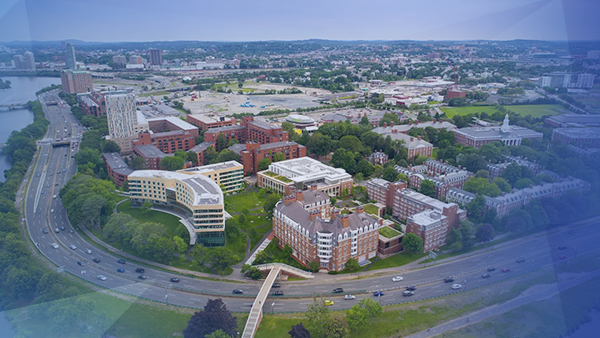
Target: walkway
(256, 312)
(541, 292)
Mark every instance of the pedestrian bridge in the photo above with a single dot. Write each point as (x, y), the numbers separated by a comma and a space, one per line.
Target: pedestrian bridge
(256, 312)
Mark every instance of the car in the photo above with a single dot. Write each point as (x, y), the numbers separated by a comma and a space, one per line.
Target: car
(490, 269)
(520, 260)
(80, 263)
(101, 277)
(73, 247)
(141, 277)
(62, 228)
(562, 256)
(411, 288)
(45, 230)
(505, 270)
(407, 293)
(175, 280)
(140, 270)
(56, 184)
(238, 292)
(486, 275)
(121, 270)
(71, 231)
(42, 191)
(397, 279)
(456, 286)
(562, 247)
(378, 293)
(51, 210)
(276, 285)
(338, 290)
(64, 170)
(571, 232)
(328, 302)
(121, 261)
(349, 297)
(278, 293)
(448, 280)
(58, 172)
(54, 196)
(55, 246)
(47, 185)
(57, 230)
(96, 260)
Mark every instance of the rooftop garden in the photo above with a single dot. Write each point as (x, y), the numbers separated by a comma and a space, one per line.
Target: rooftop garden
(388, 232)
(371, 209)
(278, 177)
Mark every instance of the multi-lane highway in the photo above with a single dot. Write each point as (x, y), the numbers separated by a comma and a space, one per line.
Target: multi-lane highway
(55, 166)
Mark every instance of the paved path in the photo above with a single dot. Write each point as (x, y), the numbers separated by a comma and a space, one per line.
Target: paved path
(541, 292)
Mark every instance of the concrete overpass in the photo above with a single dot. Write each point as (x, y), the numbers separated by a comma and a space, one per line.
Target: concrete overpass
(256, 313)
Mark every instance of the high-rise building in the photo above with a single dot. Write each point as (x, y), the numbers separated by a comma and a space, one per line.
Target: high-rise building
(76, 82)
(119, 59)
(122, 118)
(29, 60)
(155, 57)
(19, 61)
(567, 80)
(71, 61)
(136, 60)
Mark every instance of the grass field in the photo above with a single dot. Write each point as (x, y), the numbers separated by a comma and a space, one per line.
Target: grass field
(524, 110)
(249, 200)
(171, 223)
(395, 261)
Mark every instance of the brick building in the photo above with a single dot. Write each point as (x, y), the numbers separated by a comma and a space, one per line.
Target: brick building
(581, 137)
(75, 82)
(200, 150)
(414, 145)
(170, 123)
(383, 191)
(151, 154)
(167, 142)
(249, 131)
(443, 176)
(496, 170)
(117, 169)
(330, 242)
(378, 157)
(408, 202)
(251, 153)
(507, 134)
(208, 121)
(92, 103)
(431, 226)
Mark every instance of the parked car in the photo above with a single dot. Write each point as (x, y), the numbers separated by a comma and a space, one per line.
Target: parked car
(121, 261)
(278, 293)
(101, 277)
(349, 297)
(328, 302)
(486, 275)
(96, 260)
(520, 260)
(238, 291)
(491, 269)
(448, 280)
(397, 279)
(407, 293)
(121, 270)
(378, 293)
(140, 270)
(505, 270)
(338, 290)
(562, 247)
(276, 285)
(73, 247)
(55, 246)
(175, 280)
(142, 277)
(456, 286)
(411, 288)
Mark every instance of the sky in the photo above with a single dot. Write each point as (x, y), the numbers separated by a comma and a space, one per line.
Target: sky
(253, 20)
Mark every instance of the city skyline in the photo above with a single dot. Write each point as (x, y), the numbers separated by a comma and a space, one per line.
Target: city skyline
(34, 20)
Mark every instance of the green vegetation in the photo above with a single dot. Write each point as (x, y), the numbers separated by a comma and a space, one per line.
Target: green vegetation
(523, 110)
(170, 222)
(395, 261)
(246, 200)
(388, 232)
(158, 93)
(4, 84)
(277, 177)
(371, 209)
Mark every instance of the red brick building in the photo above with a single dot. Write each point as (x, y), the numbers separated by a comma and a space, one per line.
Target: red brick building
(165, 124)
(208, 121)
(201, 149)
(92, 103)
(408, 202)
(383, 191)
(117, 169)
(431, 226)
(251, 153)
(150, 154)
(249, 130)
(167, 142)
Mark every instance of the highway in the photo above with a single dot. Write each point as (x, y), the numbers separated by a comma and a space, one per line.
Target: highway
(48, 178)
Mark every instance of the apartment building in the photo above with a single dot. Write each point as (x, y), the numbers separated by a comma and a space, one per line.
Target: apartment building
(378, 157)
(167, 142)
(581, 137)
(92, 103)
(75, 82)
(496, 170)
(196, 194)
(208, 121)
(408, 202)
(122, 118)
(431, 226)
(117, 169)
(252, 152)
(383, 191)
(442, 175)
(330, 242)
(248, 131)
(415, 146)
(303, 172)
(155, 57)
(151, 155)
(227, 175)
(200, 150)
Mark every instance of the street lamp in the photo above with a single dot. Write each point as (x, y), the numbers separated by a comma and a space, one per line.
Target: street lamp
(273, 308)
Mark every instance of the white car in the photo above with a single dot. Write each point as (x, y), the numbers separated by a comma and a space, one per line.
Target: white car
(101, 277)
(73, 247)
(397, 279)
(349, 297)
(456, 286)
(55, 246)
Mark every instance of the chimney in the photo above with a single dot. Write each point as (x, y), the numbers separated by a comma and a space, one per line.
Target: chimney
(391, 124)
(359, 115)
(335, 212)
(441, 120)
(433, 120)
(313, 214)
(359, 210)
(289, 199)
(410, 123)
(345, 220)
(412, 139)
(313, 187)
(299, 196)
(459, 167)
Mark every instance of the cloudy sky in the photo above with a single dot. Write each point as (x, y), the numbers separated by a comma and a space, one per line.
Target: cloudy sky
(251, 20)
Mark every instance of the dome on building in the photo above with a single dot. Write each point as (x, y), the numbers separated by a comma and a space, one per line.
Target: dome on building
(300, 121)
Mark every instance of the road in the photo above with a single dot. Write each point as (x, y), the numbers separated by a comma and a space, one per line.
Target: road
(48, 178)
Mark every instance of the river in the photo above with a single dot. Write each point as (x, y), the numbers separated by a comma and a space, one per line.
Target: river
(22, 90)
(6, 331)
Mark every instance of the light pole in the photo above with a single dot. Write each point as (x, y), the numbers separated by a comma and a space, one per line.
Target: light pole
(273, 308)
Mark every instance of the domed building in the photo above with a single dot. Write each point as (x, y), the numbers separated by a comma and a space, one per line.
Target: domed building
(300, 121)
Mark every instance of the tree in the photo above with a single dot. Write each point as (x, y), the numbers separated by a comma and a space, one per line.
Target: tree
(111, 147)
(279, 157)
(523, 183)
(318, 317)
(413, 243)
(485, 233)
(428, 188)
(226, 155)
(502, 184)
(512, 173)
(362, 314)
(221, 258)
(218, 333)
(213, 317)
(270, 203)
(482, 174)
(467, 231)
(232, 141)
(287, 251)
(299, 331)
(221, 142)
(264, 164)
(138, 163)
(171, 163)
(351, 143)
(476, 208)
(479, 185)
(313, 266)
(337, 327)
(146, 207)
(192, 157)
(352, 265)
(390, 174)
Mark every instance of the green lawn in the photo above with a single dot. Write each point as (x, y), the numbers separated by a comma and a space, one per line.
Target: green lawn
(524, 110)
(171, 223)
(395, 261)
(371, 209)
(250, 200)
(388, 232)
(159, 93)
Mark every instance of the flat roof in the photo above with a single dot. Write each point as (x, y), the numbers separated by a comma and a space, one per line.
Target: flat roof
(278, 144)
(488, 132)
(427, 218)
(116, 163)
(226, 128)
(206, 192)
(150, 151)
(209, 118)
(213, 167)
(201, 147)
(307, 169)
(432, 202)
(176, 121)
(591, 133)
(263, 125)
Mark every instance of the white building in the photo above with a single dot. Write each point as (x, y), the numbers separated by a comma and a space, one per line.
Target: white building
(122, 118)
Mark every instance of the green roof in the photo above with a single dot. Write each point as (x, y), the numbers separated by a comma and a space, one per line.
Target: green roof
(388, 232)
